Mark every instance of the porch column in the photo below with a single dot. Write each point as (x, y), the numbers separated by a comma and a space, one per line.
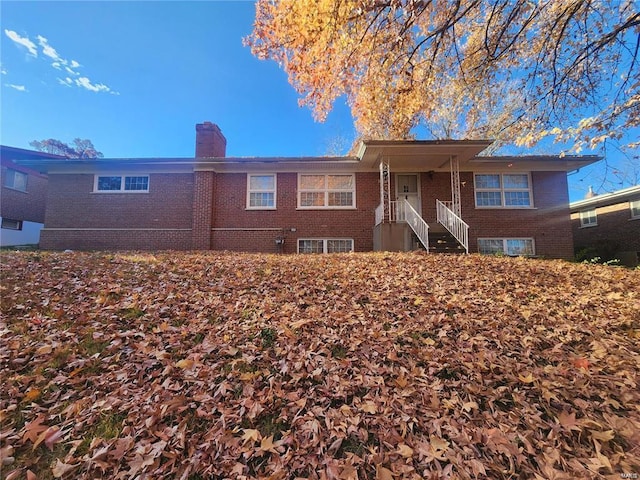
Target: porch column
(385, 187)
(455, 185)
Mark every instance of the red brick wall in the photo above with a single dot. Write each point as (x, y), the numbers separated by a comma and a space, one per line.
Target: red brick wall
(115, 239)
(203, 199)
(169, 205)
(615, 231)
(547, 223)
(28, 206)
(230, 212)
(71, 204)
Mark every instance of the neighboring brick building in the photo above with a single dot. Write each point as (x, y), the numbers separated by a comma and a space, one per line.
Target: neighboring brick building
(22, 202)
(608, 226)
(382, 198)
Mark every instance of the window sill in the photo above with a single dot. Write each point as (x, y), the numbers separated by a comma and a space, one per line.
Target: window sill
(111, 192)
(504, 208)
(260, 209)
(15, 189)
(326, 208)
(589, 226)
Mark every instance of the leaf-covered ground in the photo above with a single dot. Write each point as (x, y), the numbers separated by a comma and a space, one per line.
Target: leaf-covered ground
(351, 366)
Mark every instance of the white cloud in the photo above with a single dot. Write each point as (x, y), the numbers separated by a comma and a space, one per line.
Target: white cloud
(72, 72)
(59, 63)
(20, 88)
(24, 41)
(3, 70)
(84, 82)
(48, 50)
(67, 82)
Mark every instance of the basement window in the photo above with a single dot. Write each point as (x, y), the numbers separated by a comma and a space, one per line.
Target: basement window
(506, 246)
(325, 245)
(10, 224)
(121, 183)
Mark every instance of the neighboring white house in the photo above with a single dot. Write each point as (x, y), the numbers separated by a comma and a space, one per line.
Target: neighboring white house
(23, 197)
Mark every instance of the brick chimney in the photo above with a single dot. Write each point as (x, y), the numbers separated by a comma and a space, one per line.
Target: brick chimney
(210, 141)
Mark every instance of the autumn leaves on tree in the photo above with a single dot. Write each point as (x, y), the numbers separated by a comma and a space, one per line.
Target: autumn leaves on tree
(517, 71)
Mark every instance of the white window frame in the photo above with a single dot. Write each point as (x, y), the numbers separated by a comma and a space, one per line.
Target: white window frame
(325, 244)
(11, 224)
(10, 179)
(505, 248)
(503, 190)
(123, 178)
(634, 206)
(326, 192)
(588, 218)
(274, 191)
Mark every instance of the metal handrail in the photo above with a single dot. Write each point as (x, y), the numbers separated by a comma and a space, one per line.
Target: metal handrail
(403, 211)
(417, 223)
(453, 223)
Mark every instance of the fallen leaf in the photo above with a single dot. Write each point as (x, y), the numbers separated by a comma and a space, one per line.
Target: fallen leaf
(32, 395)
(405, 450)
(250, 435)
(605, 436)
(185, 364)
(60, 469)
(33, 429)
(580, 363)
(267, 445)
(368, 407)
(383, 473)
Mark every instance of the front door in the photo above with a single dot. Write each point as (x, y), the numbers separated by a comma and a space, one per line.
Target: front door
(408, 188)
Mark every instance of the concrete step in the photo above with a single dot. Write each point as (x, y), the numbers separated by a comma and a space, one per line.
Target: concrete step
(444, 242)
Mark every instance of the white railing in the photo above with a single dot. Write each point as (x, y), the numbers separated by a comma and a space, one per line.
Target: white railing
(395, 211)
(396, 214)
(402, 211)
(416, 222)
(452, 222)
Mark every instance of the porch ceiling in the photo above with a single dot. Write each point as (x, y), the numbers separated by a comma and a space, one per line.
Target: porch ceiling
(419, 155)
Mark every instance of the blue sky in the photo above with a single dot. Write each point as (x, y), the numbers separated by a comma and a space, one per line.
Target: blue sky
(135, 78)
(148, 72)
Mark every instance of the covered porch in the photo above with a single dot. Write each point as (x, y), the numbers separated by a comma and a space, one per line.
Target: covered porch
(399, 222)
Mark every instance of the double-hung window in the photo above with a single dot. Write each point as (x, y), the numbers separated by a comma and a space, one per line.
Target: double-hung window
(635, 208)
(325, 245)
(121, 183)
(16, 180)
(507, 246)
(261, 191)
(588, 218)
(326, 191)
(504, 190)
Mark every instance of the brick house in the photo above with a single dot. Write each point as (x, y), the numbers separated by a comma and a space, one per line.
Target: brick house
(22, 202)
(608, 225)
(391, 195)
